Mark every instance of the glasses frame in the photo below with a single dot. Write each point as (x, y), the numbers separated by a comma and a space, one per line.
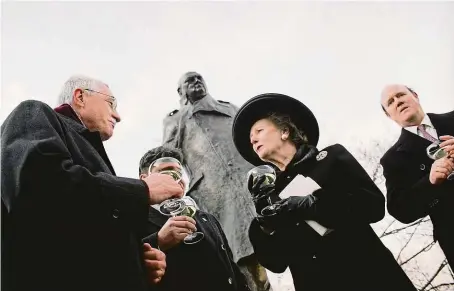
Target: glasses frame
(112, 102)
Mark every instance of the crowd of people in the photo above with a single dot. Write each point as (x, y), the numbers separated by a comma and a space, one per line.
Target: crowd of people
(70, 223)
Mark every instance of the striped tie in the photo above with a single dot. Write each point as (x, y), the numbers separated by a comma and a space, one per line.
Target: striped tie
(422, 132)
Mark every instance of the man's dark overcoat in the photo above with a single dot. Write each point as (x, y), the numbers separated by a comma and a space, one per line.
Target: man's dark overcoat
(68, 223)
(410, 195)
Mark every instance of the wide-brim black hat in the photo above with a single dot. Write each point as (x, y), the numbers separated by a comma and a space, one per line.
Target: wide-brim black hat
(262, 105)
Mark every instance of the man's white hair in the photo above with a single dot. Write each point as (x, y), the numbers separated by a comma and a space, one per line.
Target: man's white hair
(77, 82)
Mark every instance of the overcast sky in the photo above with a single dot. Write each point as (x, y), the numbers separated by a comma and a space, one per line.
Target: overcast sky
(333, 56)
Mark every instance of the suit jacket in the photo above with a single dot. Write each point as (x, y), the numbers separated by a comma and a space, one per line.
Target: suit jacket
(410, 194)
(68, 223)
(351, 257)
(203, 266)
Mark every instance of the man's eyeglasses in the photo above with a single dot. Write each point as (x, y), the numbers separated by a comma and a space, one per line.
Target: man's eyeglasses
(112, 100)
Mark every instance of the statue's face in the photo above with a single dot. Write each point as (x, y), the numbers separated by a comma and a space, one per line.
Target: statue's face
(192, 86)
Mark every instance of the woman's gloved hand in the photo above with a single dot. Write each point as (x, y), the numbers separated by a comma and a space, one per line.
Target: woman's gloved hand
(288, 211)
(260, 192)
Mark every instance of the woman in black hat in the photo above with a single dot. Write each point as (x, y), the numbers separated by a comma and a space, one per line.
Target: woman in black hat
(346, 254)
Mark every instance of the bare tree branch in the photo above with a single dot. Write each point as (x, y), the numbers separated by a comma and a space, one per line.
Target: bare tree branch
(440, 285)
(426, 248)
(408, 241)
(421, 220)
(429, 282)
(389, 225)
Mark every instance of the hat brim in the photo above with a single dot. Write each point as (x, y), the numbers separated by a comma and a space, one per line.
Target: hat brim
(262, 105)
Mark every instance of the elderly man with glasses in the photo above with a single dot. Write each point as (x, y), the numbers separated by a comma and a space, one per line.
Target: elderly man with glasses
(68, 222)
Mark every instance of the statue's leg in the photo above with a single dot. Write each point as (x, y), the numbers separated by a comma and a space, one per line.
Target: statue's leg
(255, 274)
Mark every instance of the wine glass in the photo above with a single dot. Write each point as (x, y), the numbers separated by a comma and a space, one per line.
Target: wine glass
(174, 168)
(270, 178)
(190, 210)
(435, 152)
(176, 206)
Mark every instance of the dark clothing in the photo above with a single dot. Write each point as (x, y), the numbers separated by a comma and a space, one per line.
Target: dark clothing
(68, 223)
(351, 257)
(410, 194)
(203, 266)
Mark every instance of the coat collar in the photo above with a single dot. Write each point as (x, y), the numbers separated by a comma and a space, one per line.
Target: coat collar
(208, 103)
(93, 137)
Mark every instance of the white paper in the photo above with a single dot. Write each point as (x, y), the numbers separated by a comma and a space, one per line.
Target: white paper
(303, 186)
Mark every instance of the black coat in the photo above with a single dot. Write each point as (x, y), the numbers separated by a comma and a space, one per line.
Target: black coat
(410, 194)
(351, 257)
(205, 266)
(68, 223)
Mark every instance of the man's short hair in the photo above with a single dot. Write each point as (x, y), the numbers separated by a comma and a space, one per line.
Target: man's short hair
(157, 153)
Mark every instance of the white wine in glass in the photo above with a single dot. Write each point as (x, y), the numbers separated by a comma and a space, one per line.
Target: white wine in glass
(190, 210)
(270, 179)
(435, 152)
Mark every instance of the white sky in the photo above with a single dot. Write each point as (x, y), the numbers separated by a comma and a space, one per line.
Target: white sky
(333, 56)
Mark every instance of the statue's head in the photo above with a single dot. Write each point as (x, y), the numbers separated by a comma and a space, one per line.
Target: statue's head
(192, 86)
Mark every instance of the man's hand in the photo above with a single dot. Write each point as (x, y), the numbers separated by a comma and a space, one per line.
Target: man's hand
(448, 144)
(162, 187)
(440, 170)
(155, 263)
(174, 231)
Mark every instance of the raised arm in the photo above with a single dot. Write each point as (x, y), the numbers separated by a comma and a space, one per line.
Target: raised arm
(408, 196)
(357, 200)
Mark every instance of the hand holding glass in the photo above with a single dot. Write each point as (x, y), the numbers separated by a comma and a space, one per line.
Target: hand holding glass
(270, 178)
(174, 207)
(435, 152)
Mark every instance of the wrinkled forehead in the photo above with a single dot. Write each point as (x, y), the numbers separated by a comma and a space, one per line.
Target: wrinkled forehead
(189, 75)
(262, 122)
(391, 91)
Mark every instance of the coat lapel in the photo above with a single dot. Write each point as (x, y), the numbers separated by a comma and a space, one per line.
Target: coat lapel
(410, 142)
(443, 123)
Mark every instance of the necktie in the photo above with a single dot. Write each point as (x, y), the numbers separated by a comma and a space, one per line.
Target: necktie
(422, 131)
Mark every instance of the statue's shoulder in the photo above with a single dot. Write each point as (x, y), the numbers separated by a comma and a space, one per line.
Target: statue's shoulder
(223, 102)
(172, 113)
(171, 117)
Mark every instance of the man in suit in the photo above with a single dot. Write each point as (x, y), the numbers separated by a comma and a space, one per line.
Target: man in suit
(203, 266)
(417, 185)
(201, 129)
(68, 222)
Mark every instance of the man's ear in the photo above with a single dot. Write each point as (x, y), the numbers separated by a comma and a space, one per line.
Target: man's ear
(78, 98)
(142, 176)
(285, 134)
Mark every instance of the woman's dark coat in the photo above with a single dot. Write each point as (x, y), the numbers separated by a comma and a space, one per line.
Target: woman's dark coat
(351, 257)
